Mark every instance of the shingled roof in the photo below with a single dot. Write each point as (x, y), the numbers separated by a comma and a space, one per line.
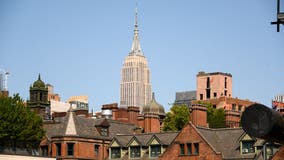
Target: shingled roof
(72, 125)
(226, 141)
(165, 138)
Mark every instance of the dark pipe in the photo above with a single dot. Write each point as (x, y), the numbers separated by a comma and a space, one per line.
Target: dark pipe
(263, 122)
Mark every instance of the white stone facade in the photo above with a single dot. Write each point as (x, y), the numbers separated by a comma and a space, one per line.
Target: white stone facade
(135, 86)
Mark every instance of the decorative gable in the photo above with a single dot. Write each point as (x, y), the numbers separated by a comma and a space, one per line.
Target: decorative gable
(154, 141)
(134, 142)
(246, 137)
(114, 143)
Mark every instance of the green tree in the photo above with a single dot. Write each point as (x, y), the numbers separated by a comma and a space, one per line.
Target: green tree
(176, 118)
(19, 127)
(215, 117)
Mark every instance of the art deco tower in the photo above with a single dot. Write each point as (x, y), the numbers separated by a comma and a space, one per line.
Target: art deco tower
(135, 86)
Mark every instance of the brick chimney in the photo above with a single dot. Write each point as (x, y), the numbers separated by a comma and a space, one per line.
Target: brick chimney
(199, 115)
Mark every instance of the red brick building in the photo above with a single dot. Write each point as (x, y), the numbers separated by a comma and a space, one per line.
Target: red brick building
(213, 85)
(75, 136)
(195, 143)
(150, 119)
(233, 108)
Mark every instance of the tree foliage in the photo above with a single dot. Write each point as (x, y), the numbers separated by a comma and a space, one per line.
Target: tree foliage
(215, 117)
(19, 127)
(176, 118)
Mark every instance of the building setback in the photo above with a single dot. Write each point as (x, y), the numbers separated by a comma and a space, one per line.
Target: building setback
(135, 86)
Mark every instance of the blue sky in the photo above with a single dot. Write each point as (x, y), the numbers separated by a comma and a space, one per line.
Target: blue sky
(79, 46)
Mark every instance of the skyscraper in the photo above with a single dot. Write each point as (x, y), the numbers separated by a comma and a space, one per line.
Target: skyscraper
(135, 86)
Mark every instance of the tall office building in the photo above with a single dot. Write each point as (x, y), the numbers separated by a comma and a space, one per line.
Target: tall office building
(135, 86)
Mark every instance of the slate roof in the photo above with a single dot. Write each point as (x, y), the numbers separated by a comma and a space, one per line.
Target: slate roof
(226, 141)
(85, 127)
(165, 138)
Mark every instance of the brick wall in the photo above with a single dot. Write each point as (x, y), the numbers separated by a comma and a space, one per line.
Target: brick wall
(189, 135)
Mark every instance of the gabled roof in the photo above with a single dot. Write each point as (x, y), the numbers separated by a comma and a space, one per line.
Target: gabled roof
(117, 127)
(144, 139)
(123, 140)
(225, 140)
(72, 125)
(134, 138)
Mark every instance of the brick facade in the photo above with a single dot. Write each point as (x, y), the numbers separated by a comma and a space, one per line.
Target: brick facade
(233, 108)
(213, 85)
(83, 148)
(190, 139)
(199, 115)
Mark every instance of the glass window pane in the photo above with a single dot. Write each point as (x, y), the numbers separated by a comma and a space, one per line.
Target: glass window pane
(155, 150)
(181, 149)
(135, 152)
(115, 152)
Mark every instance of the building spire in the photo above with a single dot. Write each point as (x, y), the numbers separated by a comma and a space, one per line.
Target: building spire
(39, 77)
(136, 49)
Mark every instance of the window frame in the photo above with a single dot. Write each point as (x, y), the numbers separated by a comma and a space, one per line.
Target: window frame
(196, 148)
(136, 154)
(156, 152)
(58, 149)
(68, 151)
(181, 149)
(117, 155)
(250, 149)
(189, 148)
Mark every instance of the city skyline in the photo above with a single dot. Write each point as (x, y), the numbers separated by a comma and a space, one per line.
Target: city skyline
(79, 48)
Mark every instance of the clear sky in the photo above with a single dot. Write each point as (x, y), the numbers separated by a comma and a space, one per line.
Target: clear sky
(79, 46)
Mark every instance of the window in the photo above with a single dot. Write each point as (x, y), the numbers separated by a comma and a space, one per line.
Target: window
(247, 147)
(135, 152)
(240, 107)
(196, 148)
(104, 131)
(44, 151)
(115, 152)
(70, 149)
(201, 96)
(155, 150)
(225, 92)
(225, 82)
(208, 82)
(58, 149)
(233, 107)
(189, 149)
(96, 148)
(215, 95)
(181, 146)
(208, 93)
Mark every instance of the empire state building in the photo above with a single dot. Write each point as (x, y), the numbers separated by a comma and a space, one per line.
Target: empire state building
(135, 86)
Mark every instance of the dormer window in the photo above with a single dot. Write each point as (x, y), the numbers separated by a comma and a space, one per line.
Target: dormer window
(155, 150)
(135, 151)
(115, 152)
(104, 132)
(247, 147)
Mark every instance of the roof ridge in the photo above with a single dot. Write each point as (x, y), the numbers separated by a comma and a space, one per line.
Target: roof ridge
(218, 129)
